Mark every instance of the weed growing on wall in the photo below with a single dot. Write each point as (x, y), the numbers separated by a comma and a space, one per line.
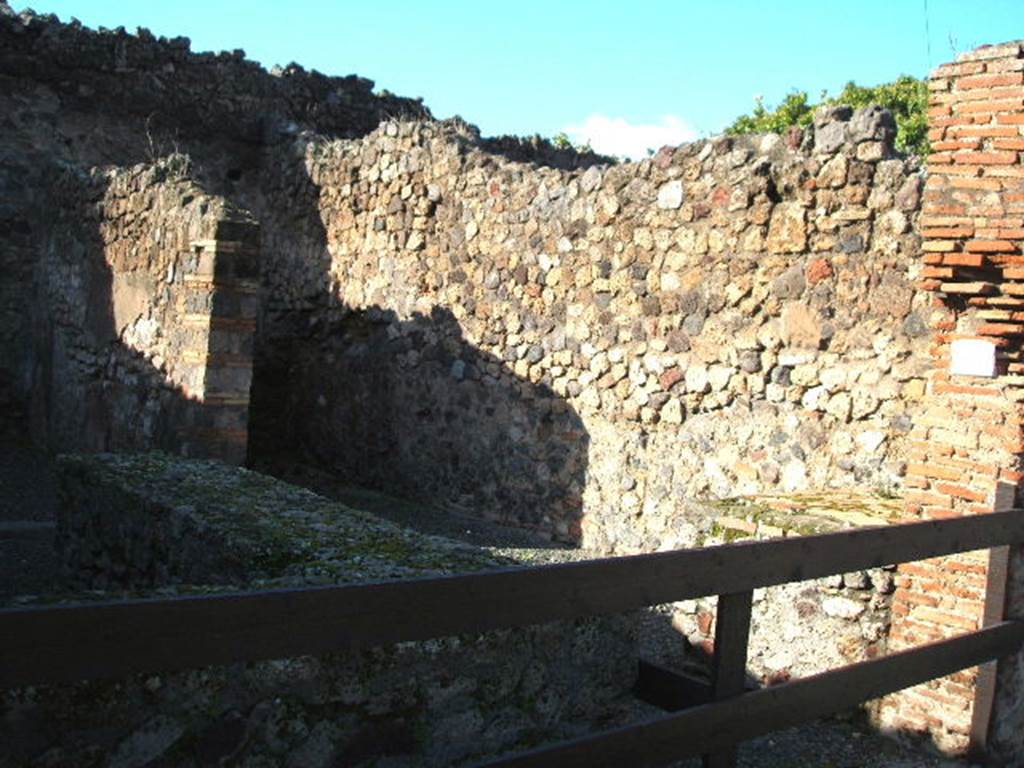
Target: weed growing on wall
(906, 97)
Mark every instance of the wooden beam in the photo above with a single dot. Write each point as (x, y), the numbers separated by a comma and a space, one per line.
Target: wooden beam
(985, 685)
(669, 690)
(74, 642)
(997, 581)
(732, 636)
(712, 727)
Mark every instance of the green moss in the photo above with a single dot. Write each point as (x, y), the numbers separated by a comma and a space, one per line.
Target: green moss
(728, 535)
(803, 514)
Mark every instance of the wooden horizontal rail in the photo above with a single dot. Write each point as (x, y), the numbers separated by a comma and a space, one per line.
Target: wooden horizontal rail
(74, 642)
(714, 727)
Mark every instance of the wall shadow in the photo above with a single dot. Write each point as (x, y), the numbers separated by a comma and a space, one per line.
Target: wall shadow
(92, 391)
(412, 408)
(402, 404)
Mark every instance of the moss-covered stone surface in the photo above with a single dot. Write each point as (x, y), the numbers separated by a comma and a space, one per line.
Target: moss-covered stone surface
(798, 514)
(154, 519)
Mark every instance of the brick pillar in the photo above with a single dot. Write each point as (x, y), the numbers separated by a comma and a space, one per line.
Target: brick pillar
(967, 453)
(219, 307)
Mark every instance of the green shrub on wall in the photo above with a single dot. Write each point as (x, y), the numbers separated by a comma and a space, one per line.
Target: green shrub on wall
(795, 109)
(906, 97)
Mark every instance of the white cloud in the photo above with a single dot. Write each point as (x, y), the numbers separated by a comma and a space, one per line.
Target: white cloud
(621, 138)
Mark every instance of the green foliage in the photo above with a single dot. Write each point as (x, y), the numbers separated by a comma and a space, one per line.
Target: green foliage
(794, 110)
(562, 141)
(906, 97)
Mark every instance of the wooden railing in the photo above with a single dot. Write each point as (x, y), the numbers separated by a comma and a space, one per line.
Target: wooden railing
(110, 639)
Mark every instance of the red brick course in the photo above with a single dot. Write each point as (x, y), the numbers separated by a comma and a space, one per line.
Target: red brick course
(969, 435)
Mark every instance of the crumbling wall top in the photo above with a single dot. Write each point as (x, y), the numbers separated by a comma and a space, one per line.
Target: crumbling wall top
(143, 75)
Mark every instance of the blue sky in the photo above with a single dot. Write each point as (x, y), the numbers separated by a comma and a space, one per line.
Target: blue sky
(625, 75)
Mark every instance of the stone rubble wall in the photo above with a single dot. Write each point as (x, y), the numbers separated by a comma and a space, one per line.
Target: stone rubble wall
(78, 101)
(584, 351)
(543, 339)
(130, 344)
(74, 100)
(804, 628)
(809, 627)
(177, 94)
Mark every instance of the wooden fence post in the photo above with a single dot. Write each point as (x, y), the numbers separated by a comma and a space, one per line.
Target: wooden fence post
(997, 583)
(729, 672)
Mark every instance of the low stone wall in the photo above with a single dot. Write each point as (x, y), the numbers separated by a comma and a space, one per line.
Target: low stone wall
(154, 520)
(806, 627)
(192, 527)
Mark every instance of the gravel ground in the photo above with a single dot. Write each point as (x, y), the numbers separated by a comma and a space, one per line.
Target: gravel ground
(28, 502)
(831, 743)
(420, 517)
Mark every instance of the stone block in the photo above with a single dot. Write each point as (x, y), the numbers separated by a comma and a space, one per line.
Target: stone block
(800, 326)
(787, 229)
